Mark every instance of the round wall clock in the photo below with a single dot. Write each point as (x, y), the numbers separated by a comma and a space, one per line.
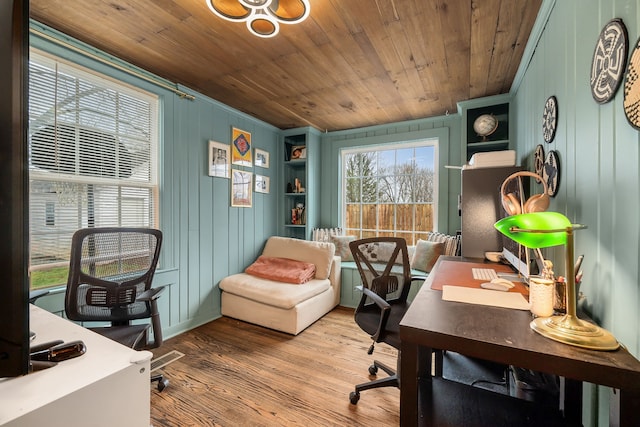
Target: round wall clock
(632, 88)
(609, 60)
(538, 160)
(550, 119)
(551, 173)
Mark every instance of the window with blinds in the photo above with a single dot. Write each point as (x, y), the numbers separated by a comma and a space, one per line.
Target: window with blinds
(92, 160)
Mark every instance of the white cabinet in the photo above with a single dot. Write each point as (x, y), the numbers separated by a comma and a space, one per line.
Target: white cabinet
(107, 386)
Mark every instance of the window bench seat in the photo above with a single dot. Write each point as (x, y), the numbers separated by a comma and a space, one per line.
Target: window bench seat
(350, 280)
(424, 258)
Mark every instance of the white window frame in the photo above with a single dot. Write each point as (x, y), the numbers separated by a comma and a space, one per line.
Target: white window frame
(424, 142)
(55, 241)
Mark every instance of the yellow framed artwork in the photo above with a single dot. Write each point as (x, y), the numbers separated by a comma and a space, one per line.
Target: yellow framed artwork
(240, 147)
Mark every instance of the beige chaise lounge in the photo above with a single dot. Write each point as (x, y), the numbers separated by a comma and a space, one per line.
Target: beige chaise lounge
(283, 306)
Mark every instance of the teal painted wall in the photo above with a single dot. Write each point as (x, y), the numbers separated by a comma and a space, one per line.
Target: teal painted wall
(600, 159)
(205, 239)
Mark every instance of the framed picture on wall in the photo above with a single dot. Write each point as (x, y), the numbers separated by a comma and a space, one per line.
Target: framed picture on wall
(240, 147)
(241, 188)
(219, 159)
(261, 158)
(262, 184)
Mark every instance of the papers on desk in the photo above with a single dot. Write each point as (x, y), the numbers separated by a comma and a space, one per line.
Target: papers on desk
(513, 300)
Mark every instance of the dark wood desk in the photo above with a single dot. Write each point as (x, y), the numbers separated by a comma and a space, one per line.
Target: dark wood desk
(504, 336)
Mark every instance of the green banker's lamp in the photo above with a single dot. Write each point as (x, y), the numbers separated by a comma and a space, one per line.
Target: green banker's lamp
(542, 230)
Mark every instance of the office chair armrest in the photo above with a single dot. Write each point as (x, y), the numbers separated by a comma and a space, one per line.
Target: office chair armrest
(150, 294)
(385, 310)
(380, 302)
(405, 292)
(416, 277)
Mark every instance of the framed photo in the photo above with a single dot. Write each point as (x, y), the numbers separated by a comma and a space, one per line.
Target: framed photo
(241, 188)
(262, 184)
(240, 147)
(219, 159)
(261, 158)
(298, 152)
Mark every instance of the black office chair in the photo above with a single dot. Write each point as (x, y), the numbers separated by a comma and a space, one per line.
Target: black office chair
(386, 281)
(110, 275)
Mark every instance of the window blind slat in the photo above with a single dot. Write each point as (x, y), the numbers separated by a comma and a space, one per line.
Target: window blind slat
(92, 150)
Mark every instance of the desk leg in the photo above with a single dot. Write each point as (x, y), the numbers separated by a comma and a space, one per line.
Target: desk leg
(623, 408)
(415, 366)
(438, 363)
(571, 400)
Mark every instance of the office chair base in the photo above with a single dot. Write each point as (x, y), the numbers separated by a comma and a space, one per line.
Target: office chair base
(390, 381)
(373, 369)
(162, 381)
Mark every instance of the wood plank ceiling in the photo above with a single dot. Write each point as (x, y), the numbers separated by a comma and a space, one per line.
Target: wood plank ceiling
(352, 63)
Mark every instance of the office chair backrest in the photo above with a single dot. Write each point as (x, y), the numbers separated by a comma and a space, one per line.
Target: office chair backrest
(383, 264)
(109, 268)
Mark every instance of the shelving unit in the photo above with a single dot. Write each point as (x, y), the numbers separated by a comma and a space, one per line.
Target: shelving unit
(300, 181)
(498, 106)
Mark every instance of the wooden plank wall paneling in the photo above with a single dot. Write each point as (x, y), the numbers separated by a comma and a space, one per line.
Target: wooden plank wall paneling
(600, 163)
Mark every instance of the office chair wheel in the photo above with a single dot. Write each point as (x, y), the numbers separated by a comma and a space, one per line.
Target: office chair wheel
(373, 370)
(162, 384)
(354, 396)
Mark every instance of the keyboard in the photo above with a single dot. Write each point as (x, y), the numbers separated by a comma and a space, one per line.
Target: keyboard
(486, 274)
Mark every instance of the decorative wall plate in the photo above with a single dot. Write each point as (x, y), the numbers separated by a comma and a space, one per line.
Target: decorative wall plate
(609, 60)
(550, 119)
(551, 173)
(632, 88)
(538, 159)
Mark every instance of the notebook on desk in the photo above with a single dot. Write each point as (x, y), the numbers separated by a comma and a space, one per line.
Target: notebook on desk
(514, 300)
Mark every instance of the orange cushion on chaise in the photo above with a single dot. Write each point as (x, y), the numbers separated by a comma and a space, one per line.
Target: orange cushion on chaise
(282, 270)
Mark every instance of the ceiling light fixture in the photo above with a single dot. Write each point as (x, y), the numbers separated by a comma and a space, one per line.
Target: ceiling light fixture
(263, 17)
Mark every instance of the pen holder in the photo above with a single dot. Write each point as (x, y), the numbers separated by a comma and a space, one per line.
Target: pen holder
(541, 294)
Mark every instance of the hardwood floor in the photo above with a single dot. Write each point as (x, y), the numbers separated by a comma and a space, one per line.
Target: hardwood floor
(237, 374)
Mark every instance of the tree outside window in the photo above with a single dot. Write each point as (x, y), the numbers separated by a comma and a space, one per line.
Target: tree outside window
(390, 191)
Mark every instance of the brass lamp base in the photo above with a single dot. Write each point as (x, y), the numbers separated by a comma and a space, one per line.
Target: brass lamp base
(570, 330)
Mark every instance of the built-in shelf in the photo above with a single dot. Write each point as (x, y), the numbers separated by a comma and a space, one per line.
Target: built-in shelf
(500, 139)
(303, 143)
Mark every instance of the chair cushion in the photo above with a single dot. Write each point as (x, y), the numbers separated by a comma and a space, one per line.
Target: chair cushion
(277, 294)
(426, 254)
(342, 246)
(318, 253)
(381, 252)
(369, 319)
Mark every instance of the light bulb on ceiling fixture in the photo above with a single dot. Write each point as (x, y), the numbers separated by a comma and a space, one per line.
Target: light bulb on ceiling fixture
(263, 17)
